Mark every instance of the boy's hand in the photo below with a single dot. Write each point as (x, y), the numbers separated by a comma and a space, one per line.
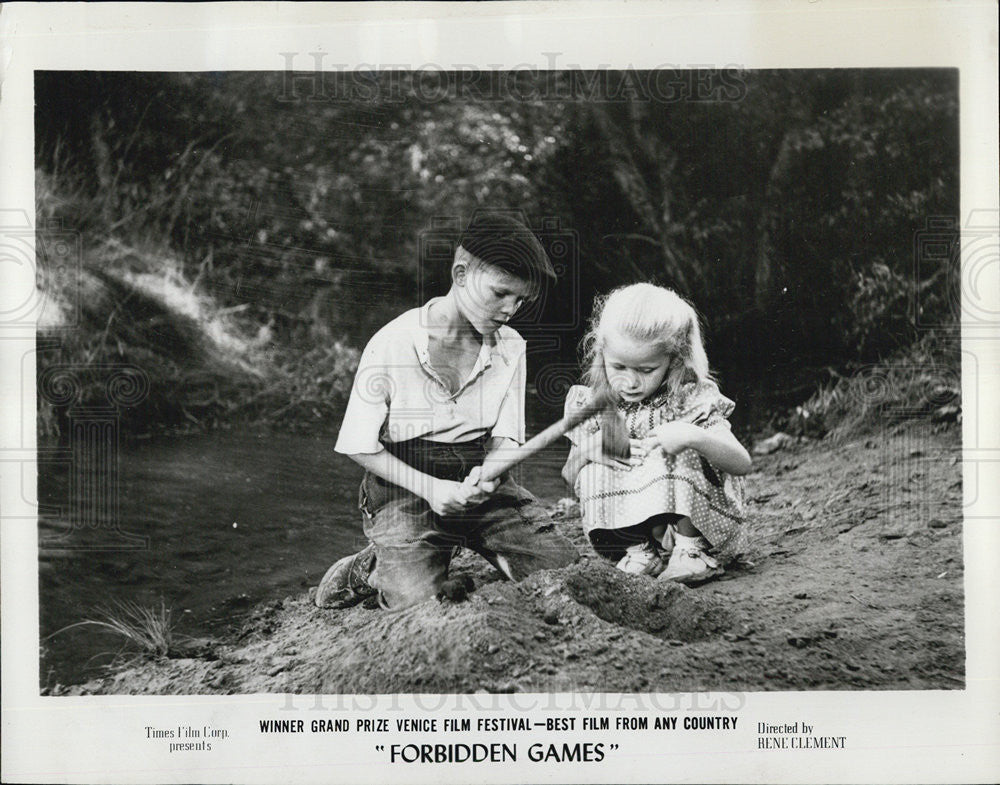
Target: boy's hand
(450, 498)
(591, 450)
(474, 479)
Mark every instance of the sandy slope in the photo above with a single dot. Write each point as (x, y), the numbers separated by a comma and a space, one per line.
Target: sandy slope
(855, 583)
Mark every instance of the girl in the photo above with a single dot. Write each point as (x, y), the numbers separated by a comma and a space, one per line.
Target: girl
(680, 490)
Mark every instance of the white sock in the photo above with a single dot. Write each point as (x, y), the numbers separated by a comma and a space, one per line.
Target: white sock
(697, 543)
(504, 566)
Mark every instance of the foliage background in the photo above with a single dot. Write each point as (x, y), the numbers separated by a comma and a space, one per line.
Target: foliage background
(242, 234)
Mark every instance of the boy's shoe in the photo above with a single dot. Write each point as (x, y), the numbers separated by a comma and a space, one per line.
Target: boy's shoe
(641, 559)
(346, 582)
(690, 561)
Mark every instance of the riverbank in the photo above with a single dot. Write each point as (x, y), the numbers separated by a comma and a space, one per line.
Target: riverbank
(853, 581)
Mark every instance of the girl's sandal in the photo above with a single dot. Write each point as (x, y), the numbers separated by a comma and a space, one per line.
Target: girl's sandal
(641, 559)
(690, 564)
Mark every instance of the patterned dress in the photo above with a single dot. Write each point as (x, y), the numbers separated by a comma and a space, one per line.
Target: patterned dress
(684, 484)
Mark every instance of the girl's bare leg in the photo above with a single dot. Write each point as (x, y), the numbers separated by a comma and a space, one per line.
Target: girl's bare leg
(686, 528)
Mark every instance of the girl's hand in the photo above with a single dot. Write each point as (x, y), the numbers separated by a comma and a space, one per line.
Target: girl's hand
(640, 449)
(450, 498)
(591, 450)
(674, 437)
(718, 446)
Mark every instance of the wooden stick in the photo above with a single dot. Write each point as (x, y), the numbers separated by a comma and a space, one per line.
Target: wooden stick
(615, 438)
(513, 456)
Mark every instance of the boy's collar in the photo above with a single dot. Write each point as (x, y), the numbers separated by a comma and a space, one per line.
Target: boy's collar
(421, 337)
(499, 343)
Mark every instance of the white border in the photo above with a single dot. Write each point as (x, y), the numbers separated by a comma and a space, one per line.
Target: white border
(897, 736)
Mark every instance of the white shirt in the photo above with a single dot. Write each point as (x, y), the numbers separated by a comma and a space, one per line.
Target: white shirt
(398, 396)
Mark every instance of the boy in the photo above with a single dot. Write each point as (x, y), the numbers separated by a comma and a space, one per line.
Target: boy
(438, 391)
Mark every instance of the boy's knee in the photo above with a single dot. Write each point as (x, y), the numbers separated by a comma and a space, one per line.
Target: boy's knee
(409, 576)
(403, 591)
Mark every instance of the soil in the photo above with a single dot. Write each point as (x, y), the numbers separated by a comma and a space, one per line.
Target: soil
(854, 580)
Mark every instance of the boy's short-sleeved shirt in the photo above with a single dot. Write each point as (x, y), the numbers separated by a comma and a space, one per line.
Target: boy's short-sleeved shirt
(397, 396)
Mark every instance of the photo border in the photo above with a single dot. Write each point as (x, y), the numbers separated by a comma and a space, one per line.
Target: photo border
(897, 736)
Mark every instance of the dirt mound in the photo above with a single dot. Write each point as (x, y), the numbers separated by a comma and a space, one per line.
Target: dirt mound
(666, 610)
(502, 639)
(556, 626)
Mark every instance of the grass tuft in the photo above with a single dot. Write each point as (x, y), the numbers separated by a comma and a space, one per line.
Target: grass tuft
(141, 629)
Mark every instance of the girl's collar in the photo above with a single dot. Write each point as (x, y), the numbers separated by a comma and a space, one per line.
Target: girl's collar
(661, 396)
(655, 400)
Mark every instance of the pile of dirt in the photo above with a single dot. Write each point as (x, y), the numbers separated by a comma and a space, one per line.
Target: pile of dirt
(853, 581)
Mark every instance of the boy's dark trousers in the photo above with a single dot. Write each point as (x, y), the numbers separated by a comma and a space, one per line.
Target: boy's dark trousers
(414, 545)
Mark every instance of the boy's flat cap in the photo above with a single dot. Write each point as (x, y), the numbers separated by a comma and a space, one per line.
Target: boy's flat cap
(505, 242)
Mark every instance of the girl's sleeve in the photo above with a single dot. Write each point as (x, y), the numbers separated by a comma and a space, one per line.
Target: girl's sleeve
(578, 397)
(708, 407)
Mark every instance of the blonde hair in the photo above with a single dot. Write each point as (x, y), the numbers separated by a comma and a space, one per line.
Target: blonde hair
(648, 314)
